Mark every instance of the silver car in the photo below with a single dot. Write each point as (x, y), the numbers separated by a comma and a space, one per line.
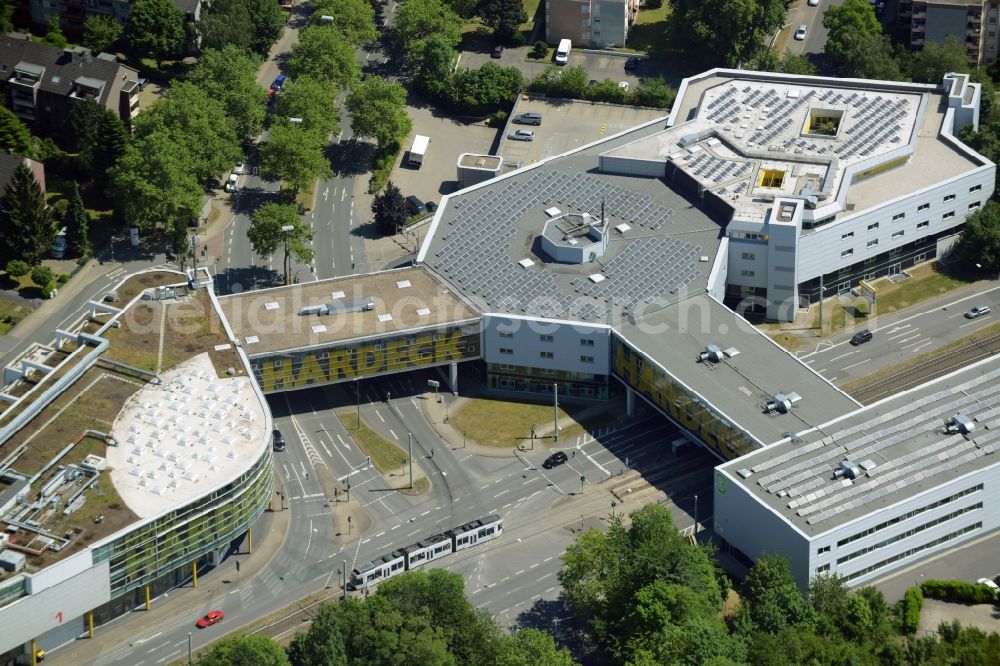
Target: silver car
(977, 312)
(800, 34)
(522, 135)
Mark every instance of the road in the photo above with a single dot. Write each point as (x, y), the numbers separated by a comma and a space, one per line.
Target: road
(902, 336)
(815, 41)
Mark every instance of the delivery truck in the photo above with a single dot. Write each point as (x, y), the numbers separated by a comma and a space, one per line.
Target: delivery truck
(419, 149)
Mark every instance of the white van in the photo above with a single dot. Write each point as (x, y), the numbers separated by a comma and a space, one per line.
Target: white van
(562, 52)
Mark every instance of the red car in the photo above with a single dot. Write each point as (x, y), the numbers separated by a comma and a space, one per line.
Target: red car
(210, 619)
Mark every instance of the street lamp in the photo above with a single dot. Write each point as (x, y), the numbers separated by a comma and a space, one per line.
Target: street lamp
(357, 395)
(286, 229)
(696, 517)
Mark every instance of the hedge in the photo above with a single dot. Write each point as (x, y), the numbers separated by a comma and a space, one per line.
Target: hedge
(913, 601)
(958, 590)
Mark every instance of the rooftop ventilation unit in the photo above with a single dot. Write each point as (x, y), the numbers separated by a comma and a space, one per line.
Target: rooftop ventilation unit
(781, 402)
(715, 355)
(960, 423)
(849, 470)
(339, 307)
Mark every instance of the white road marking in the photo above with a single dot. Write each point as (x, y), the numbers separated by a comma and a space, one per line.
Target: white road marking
(848, 367)
(843, 355)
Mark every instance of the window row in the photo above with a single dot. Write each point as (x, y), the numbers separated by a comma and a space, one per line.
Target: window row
(913, 551)
(910, 514)
(908, 533)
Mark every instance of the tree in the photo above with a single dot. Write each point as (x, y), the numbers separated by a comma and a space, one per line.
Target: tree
(568, 82)
(432, 61)
(419, 19)
(295, 155)
(868, 56)
(42, 275)
(108, 146)
(486, 87)
(504, 17)
(979, 245)
(853, 18)
(80, 129)
(155, 29)
(100, 32)
(14, 135)
(389, 208)
(531, 647)
(378, 110)
(256, 650)
(313, 101)
(771, 600)
(54, 34)
(226, 23)
(230, 76)
(930, 64)
(153, 183)
(354, 19)
(6, 15)
(727, 30)
(77, 221)
(276, 226)
(17, 268)
(26, 219)
(322, 53)
(197, 120)
(268, 24)
(654, 92)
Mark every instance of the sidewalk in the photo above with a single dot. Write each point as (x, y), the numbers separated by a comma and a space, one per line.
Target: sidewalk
(269, 533)
(52, 308)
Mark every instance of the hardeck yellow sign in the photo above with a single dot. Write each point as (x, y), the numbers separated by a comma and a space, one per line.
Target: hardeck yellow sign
(366, 359)
(670, 396)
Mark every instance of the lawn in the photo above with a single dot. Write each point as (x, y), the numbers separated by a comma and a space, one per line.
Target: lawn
(493, 422)
(927, 281)
(647, 35)
(10, 314)
(384, 454)
(535, 12)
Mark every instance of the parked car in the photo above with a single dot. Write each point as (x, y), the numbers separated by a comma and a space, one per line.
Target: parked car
(59, 246)
(623, 85)
(861, 337)
(212, 617)
(522, 135)
(240, 168)
(232, 183)
(813, 3)
(800, 34)
(989, 583)
(497, 51)
(415, 206)
(977, 311)
(431, 206)
(556, 459)
(278, 440)
(278, 82)
(631, 63)
(528, 118)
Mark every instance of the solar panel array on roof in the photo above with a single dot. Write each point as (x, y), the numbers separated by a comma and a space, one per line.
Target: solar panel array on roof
(805, 474)
(476, 242)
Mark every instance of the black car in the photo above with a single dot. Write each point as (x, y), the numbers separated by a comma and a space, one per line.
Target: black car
(414, 205)
(556, 459)
(631, 63)
(277, 440)
(497, 51)
(861, 337)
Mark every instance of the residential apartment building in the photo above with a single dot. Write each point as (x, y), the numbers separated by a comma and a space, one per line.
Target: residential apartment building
(72, 13)
(41, 83)
(593, 23)
(972, 21)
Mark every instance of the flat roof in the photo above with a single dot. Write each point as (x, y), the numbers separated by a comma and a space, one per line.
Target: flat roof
(659, 243)
(749, 137)
(900, 445)
(737, 386)
(268, 320)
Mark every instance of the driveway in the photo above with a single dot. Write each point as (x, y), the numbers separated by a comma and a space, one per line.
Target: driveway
(599, 66)
(815, 40)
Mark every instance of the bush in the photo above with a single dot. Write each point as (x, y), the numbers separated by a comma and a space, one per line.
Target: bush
(62, 279)
(498, 119)
(958, 590)
(50, 290)
(539, 50)
(42, 275)
(912, 602)
(17, 268)
(384, 161)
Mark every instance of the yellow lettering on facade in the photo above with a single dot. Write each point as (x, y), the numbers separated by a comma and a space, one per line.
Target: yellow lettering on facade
(447, 347)
(372, 360)
(310, 372)
(276, 373)
(343, 364)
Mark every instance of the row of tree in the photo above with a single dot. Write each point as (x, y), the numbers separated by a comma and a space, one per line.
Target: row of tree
(645, 596)
(573, 83)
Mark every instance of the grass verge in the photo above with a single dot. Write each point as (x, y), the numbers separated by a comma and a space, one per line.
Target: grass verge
(385, 161)
(647, 35)
(385, 455)
(492, 422)
(927, 281)
(11, 314)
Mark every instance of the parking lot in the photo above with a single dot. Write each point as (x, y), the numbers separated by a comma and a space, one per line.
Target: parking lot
(569, 124)
(449, 139)
(599, 66)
